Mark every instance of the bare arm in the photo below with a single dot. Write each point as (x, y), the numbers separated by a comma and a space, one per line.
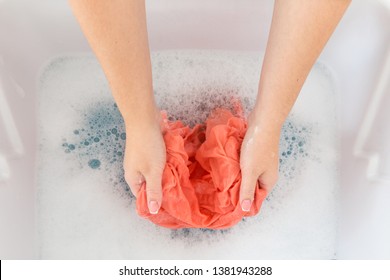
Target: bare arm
(117, 33)
(299, 32)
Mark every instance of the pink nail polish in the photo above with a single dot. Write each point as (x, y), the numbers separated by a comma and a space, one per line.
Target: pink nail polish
(246, 205)
(153, 207)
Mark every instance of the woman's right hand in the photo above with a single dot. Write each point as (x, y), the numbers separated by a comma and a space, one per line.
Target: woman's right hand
(145, 157)
(117, 33)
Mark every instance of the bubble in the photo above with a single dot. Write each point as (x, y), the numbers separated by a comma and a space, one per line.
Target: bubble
(71, 147)
(86, 143)
(123, 136)
(96, 139)
(114, 131)
(76, 132)
(94, 163)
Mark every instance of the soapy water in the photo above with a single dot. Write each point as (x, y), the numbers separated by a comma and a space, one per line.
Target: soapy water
(100, 144)
(85, 207)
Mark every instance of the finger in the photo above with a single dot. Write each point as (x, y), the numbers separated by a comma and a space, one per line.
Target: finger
(267, 180)
(247, 190)
(135, 180)
(154, 191)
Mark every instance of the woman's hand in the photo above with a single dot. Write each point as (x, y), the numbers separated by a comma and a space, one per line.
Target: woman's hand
(117, 33)
(145, 158)
(299, 32)
(259, 160)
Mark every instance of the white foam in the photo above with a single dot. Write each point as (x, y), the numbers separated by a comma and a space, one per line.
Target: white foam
(87, 213)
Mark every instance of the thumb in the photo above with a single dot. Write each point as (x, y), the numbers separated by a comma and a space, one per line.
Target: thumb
(154, 192)
(247, 190)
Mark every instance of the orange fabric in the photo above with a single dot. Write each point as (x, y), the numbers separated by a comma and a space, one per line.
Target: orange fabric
(202, 177)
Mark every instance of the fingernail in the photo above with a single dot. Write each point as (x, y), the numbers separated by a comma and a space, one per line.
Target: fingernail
(246, 205)
(153, 207)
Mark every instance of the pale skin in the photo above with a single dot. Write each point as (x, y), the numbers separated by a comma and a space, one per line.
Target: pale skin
(117, 33)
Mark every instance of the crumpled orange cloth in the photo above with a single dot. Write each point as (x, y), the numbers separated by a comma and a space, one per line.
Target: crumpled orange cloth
(202, 177)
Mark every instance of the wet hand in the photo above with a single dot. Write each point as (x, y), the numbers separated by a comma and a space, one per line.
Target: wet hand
(145, 158)
(259, 160)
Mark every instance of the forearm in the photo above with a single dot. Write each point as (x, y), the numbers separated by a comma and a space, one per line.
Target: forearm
(116, 31)
(299, 32)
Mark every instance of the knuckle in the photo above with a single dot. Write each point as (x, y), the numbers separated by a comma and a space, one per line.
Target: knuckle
(269, 181)
(247, 191)
(153, 191)
(154, 194)
(133, 178)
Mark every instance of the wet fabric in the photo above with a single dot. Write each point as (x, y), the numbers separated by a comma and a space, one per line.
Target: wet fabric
(201, 179)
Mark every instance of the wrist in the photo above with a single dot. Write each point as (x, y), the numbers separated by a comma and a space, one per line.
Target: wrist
(139, 118)
(138, 114)
(268, 122)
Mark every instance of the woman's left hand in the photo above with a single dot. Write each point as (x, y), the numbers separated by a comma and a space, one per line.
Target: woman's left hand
(259, 160)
